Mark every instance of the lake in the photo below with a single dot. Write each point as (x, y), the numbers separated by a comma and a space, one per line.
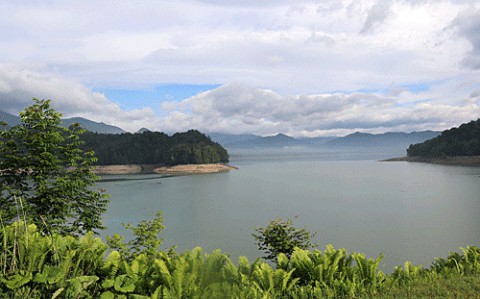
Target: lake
(407, 211)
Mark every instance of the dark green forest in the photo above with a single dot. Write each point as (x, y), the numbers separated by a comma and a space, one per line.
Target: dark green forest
(190, 147)
(461, 141)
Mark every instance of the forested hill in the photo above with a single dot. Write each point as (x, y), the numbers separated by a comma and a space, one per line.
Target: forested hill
(191, 147)
(461, 141)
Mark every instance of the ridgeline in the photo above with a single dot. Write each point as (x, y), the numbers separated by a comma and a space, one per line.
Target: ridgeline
(456, 142)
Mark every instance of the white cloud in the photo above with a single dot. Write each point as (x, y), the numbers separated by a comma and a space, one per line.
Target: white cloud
(19, 86)
(305, 47)
(237, 108)
(377, 14)
(305, 59)
(468, 26)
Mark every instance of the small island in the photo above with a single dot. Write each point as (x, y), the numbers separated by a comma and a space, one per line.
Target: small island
(156, 153)
(457, 146)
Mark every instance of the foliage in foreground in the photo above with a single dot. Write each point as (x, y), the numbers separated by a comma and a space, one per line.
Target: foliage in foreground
(280, 236)
(44, 175)
(33, 265)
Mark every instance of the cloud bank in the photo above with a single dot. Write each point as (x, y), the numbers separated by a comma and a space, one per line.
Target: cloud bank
(468, 25)
(19, 86)
(294, 48)
(303, 68)
(239, 108)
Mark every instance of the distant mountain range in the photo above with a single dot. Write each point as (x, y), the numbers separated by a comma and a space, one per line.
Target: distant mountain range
(92, 126)
(10, 119)
(87, 124)
(254, 141)
(143, 130)
(245, 141)
(365, 140)
(388, 139)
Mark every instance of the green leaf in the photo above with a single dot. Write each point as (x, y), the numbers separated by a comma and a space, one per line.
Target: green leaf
(18, 280)
(57, 293)
(49, 275)
(108, 283)
(107, 295)
(124, 284)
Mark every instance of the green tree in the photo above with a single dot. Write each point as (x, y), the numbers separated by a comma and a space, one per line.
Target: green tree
(281, 236)
(45, 178)
(146, 239)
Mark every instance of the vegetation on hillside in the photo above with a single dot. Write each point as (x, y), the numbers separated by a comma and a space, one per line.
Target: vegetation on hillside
(190, 147)
(461, 141)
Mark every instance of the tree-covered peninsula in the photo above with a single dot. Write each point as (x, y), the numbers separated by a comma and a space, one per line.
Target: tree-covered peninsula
(455, 142)
(190, 147)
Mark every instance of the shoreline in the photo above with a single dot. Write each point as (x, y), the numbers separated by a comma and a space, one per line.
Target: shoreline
(470, 161)
(186, 169)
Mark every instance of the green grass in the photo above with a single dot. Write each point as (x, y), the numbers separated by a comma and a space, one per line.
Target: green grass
(454, 286)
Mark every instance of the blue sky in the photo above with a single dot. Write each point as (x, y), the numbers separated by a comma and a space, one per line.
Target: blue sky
(153, 97)
(303, 68)
(130, 99)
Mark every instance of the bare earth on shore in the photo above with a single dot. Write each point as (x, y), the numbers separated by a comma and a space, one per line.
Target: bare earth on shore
(193, 168)
(118, 169)
(172, 170)
(473, 161)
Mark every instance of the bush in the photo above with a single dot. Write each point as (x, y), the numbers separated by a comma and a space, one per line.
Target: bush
(282, 237)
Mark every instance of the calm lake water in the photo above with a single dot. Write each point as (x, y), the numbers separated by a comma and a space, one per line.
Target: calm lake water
(407, 211)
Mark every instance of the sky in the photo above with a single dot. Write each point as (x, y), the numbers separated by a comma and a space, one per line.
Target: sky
(303, 68)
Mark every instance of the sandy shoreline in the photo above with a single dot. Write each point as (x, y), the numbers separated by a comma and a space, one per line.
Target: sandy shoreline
(161, 169)
(194, 169)
(118, 169)
(472, 161)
